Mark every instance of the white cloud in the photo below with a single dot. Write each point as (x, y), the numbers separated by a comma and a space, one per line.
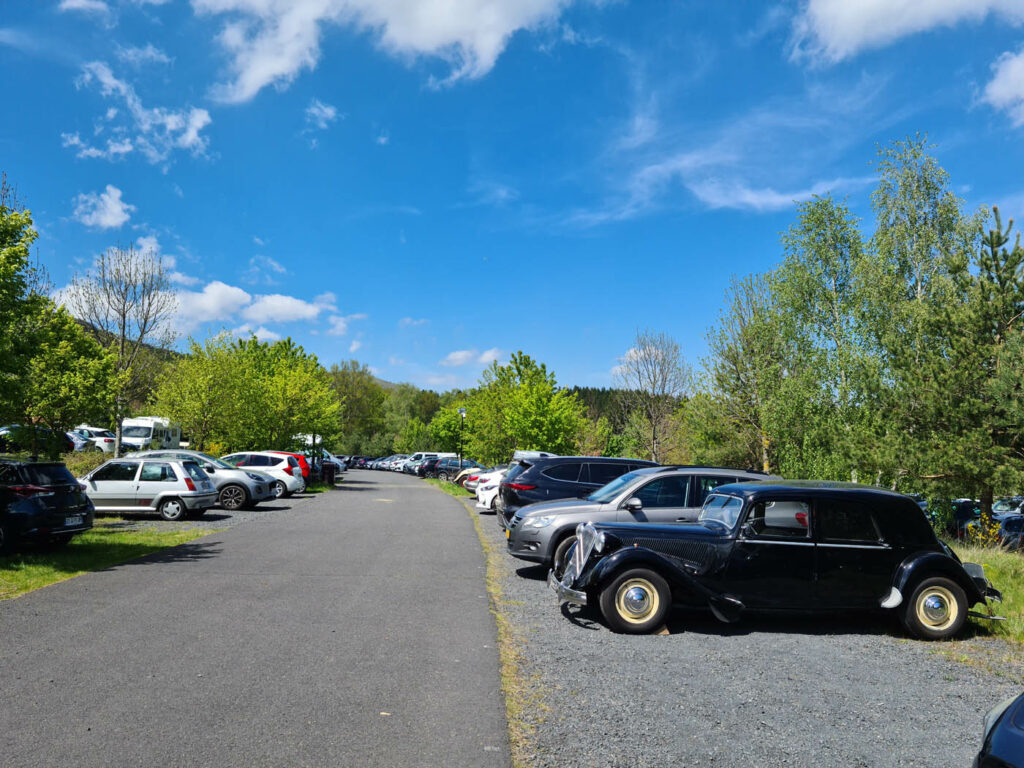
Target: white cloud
(408, 322)
(277, 307)
(217, 301)
(466, 356)
(150, 244)
(136, 56)
(261, 333)
(834, 30)
(382, 139)
(490, 356)
(85, 6)
(319, 116)
(103, 210)
(1006, 89)
(735, 194)
(114, 149)
(156, 132)
(270, 43)
(338, 325)
(258, 241)
(354, 346)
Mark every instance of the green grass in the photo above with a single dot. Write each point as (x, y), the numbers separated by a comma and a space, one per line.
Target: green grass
(1006, 572)
(93, 550)
(450, 488)
(317, 488)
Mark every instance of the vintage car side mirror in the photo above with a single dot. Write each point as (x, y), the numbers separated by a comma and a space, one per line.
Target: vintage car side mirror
(748, 531)
(633, 504)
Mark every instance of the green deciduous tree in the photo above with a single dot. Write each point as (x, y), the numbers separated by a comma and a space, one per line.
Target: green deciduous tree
(519, 406)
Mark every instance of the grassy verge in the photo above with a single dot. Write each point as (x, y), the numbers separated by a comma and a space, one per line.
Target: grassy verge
(521, 695)
(450, 488)
(93, 550)
(994, 646)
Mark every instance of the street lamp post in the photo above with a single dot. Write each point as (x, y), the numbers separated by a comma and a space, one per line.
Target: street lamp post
(462, 423)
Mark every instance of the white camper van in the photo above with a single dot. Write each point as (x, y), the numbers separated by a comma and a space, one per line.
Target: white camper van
(147, 432)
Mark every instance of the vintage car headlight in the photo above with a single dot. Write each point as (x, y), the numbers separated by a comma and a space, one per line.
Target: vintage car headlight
(539, 522)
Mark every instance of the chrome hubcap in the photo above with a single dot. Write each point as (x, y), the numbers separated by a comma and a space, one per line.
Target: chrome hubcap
(636, 601)
(936, 609)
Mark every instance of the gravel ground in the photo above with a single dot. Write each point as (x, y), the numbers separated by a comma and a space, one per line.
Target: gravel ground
(767, 691)
(214, 519)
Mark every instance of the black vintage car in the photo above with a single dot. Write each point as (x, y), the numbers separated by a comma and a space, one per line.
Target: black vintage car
(790, 546)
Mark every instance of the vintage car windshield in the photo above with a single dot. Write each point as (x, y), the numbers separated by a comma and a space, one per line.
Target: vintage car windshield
(606, 493)
(721, 509)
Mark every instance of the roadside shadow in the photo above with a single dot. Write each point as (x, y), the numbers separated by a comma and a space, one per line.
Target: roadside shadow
(534, 572)
(188, 552)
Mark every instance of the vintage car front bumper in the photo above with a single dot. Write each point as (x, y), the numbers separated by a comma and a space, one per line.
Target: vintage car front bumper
(565, 593)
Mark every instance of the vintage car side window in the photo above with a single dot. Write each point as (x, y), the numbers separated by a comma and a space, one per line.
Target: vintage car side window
(843, 521)
(664, 492)
(117, 470)
(780, 519)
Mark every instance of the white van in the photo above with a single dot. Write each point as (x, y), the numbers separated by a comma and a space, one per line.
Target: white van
(146, 432)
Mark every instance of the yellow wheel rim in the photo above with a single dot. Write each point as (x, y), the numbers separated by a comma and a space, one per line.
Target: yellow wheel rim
(636, 600)
(937, 608)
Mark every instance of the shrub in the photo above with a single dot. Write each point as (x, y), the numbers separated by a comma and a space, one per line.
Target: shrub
(85, 461)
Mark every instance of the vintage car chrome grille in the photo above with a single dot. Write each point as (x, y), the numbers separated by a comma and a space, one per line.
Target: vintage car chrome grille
(697, 553)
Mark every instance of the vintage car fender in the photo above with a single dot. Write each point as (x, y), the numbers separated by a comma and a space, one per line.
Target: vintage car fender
(923, 565)
(724, 607)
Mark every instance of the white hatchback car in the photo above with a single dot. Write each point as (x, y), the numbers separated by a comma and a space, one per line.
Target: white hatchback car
(487, 490)
(284, 470)
(174, 488)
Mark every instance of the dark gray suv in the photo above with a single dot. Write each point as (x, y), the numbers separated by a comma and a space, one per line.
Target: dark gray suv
(543, 533)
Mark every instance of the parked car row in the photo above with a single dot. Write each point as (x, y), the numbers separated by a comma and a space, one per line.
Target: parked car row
(631, 538)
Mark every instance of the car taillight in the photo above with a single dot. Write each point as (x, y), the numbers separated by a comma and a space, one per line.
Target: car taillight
(471, 478)
(108, 439)
(25, 491)
(189, 484)
(519, 486)
(289, 471)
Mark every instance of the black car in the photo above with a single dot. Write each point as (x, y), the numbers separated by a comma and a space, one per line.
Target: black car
(40, 502)
(427, 467)
(448, 467)
(1003, 746)
(790, 546)
(547, 478)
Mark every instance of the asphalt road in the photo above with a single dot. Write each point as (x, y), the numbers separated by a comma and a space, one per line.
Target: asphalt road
(351, 630)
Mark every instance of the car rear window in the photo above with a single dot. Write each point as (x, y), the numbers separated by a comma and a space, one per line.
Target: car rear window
(292, 461)
(602, 473)
(516, 470)
(47, 474)
(194, 470)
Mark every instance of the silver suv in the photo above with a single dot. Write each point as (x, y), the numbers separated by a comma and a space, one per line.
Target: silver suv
(544, 532)
(237, 487)
(173, 488)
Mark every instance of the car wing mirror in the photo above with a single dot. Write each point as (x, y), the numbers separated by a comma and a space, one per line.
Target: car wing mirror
(633, 504)
(748, 531)
(209, 468)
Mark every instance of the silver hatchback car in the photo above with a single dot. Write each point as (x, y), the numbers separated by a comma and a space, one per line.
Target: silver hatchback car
(175, 489)
(237, 487)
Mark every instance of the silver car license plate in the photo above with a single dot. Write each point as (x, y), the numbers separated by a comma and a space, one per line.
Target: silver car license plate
(73, 520)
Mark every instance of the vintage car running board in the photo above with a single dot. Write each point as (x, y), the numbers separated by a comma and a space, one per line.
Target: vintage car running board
(993, 617)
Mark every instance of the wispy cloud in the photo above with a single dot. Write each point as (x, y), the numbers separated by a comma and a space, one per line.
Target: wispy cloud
(338, 324)
(136, 56)
(462, 357)
(319, 115)
(155, 132)
(408, 322)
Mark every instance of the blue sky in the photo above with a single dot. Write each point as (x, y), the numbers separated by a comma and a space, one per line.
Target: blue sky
(427, 185)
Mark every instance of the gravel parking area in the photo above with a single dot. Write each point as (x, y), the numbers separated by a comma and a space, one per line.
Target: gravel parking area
(766, 691)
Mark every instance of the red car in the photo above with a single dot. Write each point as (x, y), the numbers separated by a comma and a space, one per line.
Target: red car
(301, 457)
